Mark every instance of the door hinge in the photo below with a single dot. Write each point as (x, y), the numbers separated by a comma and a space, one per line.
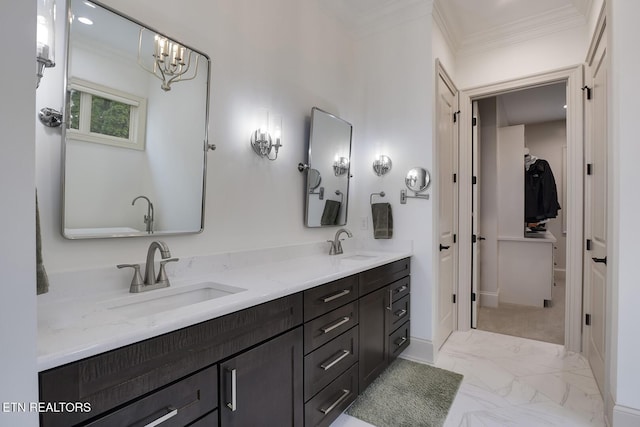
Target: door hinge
(588, 244)
(587, 319)
(474, 122)
(474, 180)
(474, 238)
(473, 296)
(455, 238)
(455, 116)
(455, 177)
(588, 89)
(589, 169)
(454, 298)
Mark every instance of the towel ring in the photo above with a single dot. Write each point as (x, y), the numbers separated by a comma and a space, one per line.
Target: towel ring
(341, 194)
(381, 194)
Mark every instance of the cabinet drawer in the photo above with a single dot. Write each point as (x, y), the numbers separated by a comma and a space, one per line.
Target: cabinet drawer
(323, 329)
(399, 340)
(326, 363)
(380, 276)
(327, 405)
(400, 288)
(324, 298)
(178, 405)
(209, 420)
(400, 311)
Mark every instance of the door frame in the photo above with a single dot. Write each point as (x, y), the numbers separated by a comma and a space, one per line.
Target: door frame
(574, 77)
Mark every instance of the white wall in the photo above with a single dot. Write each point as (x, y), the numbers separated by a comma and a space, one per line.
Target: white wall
(300, 59)
(396, 87)
(517, 60)
(624, 232)
(18, 381)
(545, 141)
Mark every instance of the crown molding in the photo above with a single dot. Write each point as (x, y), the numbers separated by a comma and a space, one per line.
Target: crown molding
(443, 20)
(553, 21)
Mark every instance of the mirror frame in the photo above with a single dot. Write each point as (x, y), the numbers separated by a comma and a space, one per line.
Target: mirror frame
(66, 112)
(310, 166)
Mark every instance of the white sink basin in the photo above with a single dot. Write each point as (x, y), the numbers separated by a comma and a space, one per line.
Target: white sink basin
(160, 300)
(359, 257)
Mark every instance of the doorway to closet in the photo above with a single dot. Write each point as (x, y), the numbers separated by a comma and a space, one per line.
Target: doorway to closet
(519, 226)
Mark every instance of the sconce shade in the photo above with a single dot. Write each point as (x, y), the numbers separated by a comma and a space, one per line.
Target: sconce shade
(262, 141)
(382, 165)
(171, 60)
(45, 37)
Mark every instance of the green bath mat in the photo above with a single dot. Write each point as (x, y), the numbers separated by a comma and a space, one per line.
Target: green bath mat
(408, 394)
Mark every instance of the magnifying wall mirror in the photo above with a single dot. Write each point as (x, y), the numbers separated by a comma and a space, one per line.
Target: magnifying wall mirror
(135, 140)
(417, 180)
(328, 163)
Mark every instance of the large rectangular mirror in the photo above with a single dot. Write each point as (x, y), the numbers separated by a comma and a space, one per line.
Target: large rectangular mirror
(328, 172)
(135, 134)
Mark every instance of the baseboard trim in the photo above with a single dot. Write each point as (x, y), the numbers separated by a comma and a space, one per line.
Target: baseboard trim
(623, 416)
(489, 299)
(419, 350)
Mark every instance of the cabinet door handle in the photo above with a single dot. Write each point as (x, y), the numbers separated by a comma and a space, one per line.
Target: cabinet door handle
(337, 295)
(344, 395)
(326, 366)
(400, 313)
(172, 413)
(331, 327)
(390, 299)
(401, 341)
(233, 404)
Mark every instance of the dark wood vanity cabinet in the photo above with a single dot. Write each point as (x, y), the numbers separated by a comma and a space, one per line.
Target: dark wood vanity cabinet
(384, 309)
(298, 360)
(263, 386)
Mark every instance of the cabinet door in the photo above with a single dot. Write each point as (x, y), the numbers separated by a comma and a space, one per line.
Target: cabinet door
(264, 386)
(374, 335)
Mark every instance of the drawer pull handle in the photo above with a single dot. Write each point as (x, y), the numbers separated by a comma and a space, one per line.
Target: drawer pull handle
(344, 395)
(336, 295)
(401, 289)
(401, 341)
(233, 405)
(400, 313)
(326, 366)
(329, 328)
(172, 413)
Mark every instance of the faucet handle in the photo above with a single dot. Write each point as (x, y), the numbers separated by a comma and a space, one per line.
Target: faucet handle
(162, 275)
(136, 281)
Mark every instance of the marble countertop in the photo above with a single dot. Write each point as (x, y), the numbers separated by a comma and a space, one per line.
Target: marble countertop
(79, 321)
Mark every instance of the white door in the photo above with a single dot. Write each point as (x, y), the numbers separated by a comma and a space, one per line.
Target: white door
(596, 214)
(475, 212)
(447, 149)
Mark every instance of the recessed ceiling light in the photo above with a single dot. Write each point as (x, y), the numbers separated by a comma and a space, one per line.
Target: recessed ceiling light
(85, 20)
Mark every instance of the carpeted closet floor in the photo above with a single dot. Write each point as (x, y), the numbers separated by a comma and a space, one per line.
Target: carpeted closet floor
(543, 324)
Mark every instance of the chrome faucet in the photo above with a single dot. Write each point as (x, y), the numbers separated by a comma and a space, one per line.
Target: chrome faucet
(336, 243)
(151, 281)
(148, 218)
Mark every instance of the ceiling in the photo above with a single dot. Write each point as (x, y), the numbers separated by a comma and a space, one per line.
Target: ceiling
(535, 105)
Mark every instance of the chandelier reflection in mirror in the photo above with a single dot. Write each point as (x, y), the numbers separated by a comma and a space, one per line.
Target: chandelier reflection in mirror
(340, 165)
(171, 60)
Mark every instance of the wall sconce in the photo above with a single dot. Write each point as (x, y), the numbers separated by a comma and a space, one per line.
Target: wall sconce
(45, 37)
(172, 61)
(382, 165)
(262, 140)
(340, 165)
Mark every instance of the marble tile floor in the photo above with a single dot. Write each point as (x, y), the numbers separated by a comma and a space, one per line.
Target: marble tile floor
(511, 381)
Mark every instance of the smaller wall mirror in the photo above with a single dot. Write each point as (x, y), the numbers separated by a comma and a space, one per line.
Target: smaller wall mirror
(417, 180)
(328, 164)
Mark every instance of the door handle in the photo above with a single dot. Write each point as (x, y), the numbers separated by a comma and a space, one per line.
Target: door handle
(600, 260)
(443, 247)
(233, 405)
(482, 238)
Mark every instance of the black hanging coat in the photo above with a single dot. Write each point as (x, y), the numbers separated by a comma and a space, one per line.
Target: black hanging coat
(540, 193)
